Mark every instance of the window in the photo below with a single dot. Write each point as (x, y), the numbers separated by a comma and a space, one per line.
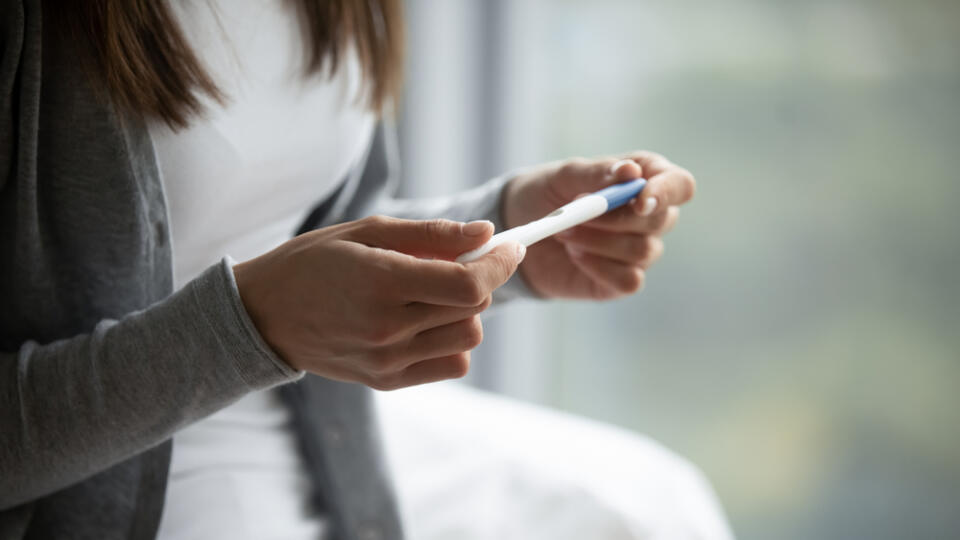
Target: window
(799, 340)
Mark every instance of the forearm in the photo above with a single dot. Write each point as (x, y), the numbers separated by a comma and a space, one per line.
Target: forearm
(74, 407)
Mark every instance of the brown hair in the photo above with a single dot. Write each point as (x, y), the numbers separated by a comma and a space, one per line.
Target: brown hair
(141, 57)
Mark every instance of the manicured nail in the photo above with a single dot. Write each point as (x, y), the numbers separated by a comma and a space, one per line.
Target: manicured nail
(616, 166)
(649, 205)
(476, 228)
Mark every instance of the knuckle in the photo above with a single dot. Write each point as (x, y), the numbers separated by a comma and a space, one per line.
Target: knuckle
(506, 265)
(380, 364)
(658, 220)
(572, 166)
(500, 268)
(375, 381)
(385, 375)
(437, 228)
(459, 365)
(384, 384)
(626, 282)
(673, 215)
(382, 332)
(657, 247)
(654, 252)
(473, 332)
(376, 221)
(640, 248)
(472, 288)
(632, 281)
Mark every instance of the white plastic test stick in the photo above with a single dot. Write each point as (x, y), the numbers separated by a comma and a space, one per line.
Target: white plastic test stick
(569, 215)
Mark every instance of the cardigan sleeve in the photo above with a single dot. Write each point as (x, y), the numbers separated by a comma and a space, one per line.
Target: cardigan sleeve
(74, 407)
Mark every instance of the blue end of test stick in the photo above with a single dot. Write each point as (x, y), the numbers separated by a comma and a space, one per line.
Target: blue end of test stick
(620, 194)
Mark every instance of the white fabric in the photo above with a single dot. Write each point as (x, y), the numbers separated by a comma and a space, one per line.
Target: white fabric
(238, 182)
(238, 475)
(469, 465)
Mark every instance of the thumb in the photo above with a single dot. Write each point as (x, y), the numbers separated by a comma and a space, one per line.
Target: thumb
(495, 268)
(433, 238)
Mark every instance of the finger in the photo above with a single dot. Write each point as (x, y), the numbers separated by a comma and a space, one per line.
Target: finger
(426, 316)
(446, 283)
(492, 270)
(433, 238)
(672, 187)
(433, 370)
(615, 277)
(625, 169)
(626, 219)
(673, 214)
(444, 340)
(579, 175)
(636, 249)
(651, 162)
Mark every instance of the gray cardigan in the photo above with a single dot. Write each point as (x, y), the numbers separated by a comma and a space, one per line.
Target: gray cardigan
(101, 362)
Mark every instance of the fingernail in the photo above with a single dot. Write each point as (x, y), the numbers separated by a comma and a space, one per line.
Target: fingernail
(649, 205)
(521, 251)
(616, 166)
(476, 228)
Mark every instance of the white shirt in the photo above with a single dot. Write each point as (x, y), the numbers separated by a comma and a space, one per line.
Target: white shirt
(238, 182)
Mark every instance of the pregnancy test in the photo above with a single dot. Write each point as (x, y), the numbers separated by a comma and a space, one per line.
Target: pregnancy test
(567, 216)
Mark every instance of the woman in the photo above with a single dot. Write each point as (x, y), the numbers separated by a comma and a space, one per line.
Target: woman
(140, 143)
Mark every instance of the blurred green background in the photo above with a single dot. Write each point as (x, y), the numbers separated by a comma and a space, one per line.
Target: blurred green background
(800, 339)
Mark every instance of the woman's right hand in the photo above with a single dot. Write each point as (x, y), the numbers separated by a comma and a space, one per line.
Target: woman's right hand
(377, 301)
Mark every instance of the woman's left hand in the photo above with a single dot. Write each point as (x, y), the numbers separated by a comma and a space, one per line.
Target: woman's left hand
(606, 257)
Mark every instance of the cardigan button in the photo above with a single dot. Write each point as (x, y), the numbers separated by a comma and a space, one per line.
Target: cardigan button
(369, 531)
(334, 434)
(160, 233)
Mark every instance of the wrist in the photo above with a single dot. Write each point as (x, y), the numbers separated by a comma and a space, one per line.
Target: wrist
(509, 207)
(239, 296)
(246, 276)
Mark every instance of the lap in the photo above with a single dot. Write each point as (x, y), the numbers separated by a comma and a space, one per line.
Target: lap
(473, 465)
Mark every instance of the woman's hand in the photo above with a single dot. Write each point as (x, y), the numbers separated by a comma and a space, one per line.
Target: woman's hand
(606, 257)
(356, 302)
